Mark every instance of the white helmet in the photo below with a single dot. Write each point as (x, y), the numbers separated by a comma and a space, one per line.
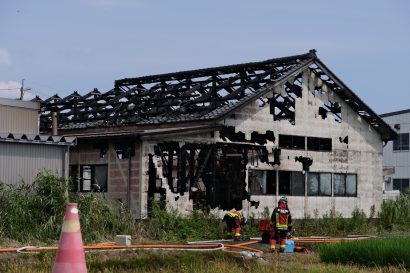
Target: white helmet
(283, 199)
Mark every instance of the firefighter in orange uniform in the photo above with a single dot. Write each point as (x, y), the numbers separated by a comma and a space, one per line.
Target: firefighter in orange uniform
(233, 224)
(281, 221)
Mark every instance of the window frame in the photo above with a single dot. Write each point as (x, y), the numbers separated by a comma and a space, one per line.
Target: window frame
(321, 142)
(288, 142)
(291, 182)
(398, 143)
(401, 184)
(103, 187)
(265, 184)
(319, 183)
(345, 175)
(292, 140)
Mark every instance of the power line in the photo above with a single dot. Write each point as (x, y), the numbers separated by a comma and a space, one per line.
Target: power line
(17, 88)
(31, 91)
(56, 90)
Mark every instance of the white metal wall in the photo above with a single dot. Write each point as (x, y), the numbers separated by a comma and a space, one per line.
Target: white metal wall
(400, 160)
(23, 161)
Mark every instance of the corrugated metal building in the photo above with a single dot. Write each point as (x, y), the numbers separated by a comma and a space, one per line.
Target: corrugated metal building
(24, 153)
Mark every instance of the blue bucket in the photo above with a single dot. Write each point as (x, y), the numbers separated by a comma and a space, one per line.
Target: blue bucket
(290, 246)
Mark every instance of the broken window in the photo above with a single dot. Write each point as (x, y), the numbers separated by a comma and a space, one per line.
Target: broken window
(401, 184)
(92, 177)
(292, 142)
(262, 182)
(401, 143)
(345, 184)
(319, 184)
(291, 183)
(319, 144)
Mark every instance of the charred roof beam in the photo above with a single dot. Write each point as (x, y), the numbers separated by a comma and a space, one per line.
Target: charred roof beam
(221, 70)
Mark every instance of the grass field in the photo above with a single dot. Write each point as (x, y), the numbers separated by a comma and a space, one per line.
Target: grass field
(215, 262)
(372, 252)
(101, 220)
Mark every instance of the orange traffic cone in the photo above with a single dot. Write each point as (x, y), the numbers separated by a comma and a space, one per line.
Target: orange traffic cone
(70, 254)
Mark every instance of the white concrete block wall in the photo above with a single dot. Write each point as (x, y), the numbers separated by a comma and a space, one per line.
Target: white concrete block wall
(362, 155)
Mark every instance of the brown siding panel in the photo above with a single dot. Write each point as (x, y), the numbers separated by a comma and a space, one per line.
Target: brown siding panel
(18, 120)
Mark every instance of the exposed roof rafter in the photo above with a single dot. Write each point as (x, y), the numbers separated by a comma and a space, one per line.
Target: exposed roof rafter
(198, 95)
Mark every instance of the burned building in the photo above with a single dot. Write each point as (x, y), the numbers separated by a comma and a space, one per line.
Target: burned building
(231, 136)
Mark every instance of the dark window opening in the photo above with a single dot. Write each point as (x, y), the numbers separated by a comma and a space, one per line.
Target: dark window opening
(319, 144)
(261, 182)
(291, 142)
(291, 183)
(345, 184)
(401, 143)
(401, 184)
(93, 178)
(319, 184)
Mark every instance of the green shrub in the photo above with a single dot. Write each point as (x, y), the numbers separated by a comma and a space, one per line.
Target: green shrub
(172, 226)
(396, 214)
(36, 211)
(266, 214)
(333, 223)
(101, 218)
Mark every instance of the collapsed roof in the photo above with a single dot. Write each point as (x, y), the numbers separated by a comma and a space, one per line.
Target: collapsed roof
(195, 95)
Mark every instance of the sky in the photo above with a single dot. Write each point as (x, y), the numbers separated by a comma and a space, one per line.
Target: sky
(58, 47)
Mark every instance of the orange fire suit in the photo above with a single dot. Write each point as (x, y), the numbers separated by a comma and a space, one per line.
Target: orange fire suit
(281, 221)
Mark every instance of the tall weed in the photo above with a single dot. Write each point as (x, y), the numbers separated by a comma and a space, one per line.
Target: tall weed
(333, 223)
(36, 211)
(396, 214)
(172, 226)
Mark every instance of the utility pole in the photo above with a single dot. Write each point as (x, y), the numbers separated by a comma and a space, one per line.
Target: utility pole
(22, 89)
